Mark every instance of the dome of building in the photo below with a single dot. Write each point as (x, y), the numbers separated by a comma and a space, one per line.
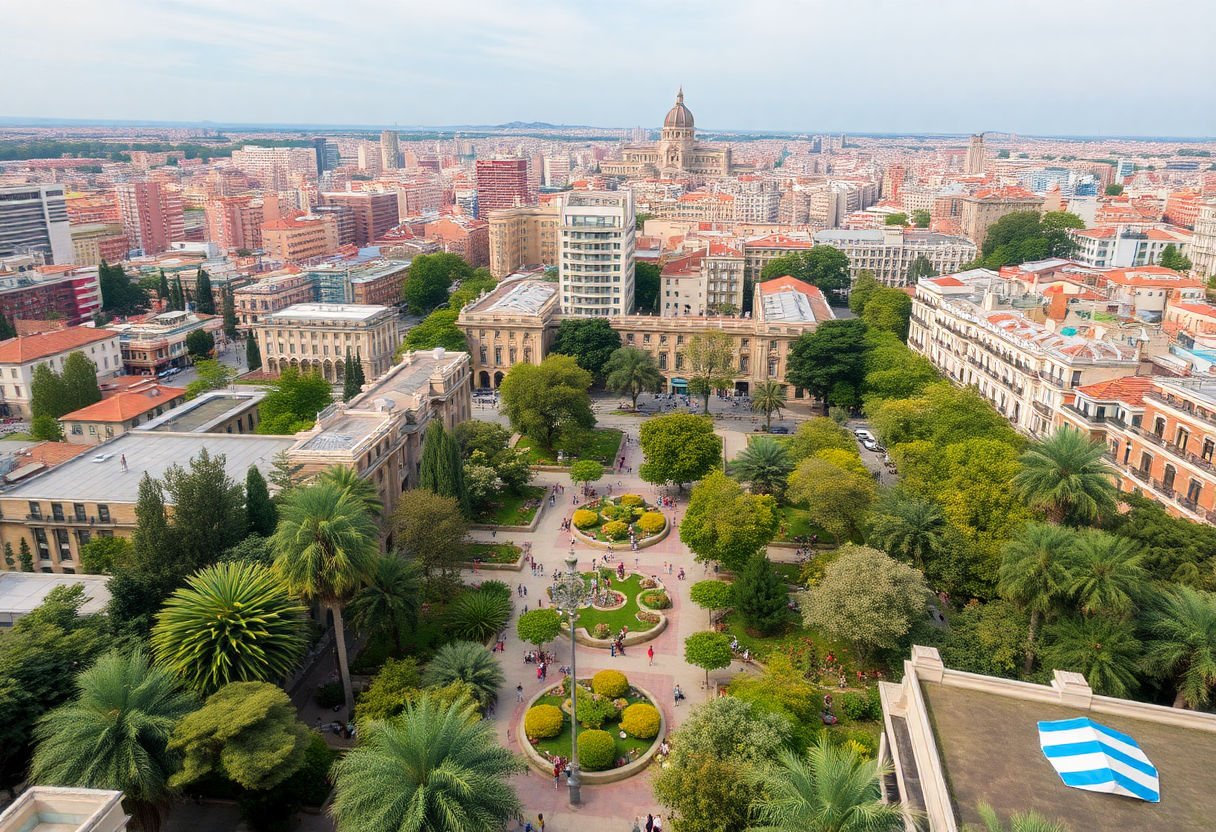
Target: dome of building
(679, 115)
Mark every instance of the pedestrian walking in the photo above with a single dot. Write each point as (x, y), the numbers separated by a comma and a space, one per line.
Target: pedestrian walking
(557, 775)
(540, 821)
(658, 823)
(649, 823)
(519, 693)
(650, 654)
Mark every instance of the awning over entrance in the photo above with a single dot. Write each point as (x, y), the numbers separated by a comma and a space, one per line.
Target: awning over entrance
(679, 385)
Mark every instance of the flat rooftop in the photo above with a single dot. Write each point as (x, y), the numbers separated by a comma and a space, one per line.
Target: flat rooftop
(327, 312)
(344, 434)
(207, 410)
(97, 475)
(22, 592)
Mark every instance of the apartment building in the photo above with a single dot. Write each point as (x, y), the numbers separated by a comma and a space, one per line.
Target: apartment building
(375, 212)
(1203, 244)
(19, 356)
(318, 336)
(986, 332)
(466, 236)
(758, 251)
(159, 343)
(300, 237)
(269, 295)
(42, 293)
(373, 283)
(596, 240)
(982, 209)
(152, 215)
(97, 241)
(523, 237)
(1112, 247)
(889, 252)
(234, 223)
(502, 183)
(275, 168)
(390, 150)
(707, 281)
(34, 220)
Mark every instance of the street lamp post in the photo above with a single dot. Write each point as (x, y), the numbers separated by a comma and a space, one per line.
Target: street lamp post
(570, 592)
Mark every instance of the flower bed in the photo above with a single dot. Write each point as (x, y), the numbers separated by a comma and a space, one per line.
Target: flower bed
(624, 615)
(610, 521)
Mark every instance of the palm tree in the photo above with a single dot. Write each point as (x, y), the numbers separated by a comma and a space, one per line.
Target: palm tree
(633, 371)
(1106, 573)
(115, 734)
(832, 789)
(1182, 626)
(1104, 651)
(232, 622)
(466, 661)
(434, 768)
(389, 603)
(764, 465)
(768, 397)
(1034, 575)
(1019, 822)
(908, 528)
(477, 615)
(326, 546)
(348, 480)
(1066, 476)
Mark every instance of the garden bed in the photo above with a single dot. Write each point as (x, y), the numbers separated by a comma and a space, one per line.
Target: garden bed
(493, 553)
(603, 445)
(513, 509)
(622, 616)
(609, 511)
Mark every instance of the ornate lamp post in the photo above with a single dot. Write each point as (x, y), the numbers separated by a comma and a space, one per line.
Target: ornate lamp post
(570, 593)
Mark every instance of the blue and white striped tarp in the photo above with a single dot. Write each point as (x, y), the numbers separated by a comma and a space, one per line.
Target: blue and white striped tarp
(1093, 757)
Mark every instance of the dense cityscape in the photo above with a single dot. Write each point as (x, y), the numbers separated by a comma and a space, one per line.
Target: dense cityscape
(536, 476)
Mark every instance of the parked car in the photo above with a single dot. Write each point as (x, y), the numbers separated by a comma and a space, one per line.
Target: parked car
(862, 433)
(869, 444)
(778, 429)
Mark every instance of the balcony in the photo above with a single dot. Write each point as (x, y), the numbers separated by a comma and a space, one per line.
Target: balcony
(1042, 409)
(1141, 474)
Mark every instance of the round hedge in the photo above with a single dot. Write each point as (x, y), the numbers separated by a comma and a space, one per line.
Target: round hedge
(596, 750)
(641, 720)
(631, 500)
(543, 721)
(615, 530)
(656, 599)
(652, 522)
(584, 519)
(611, 512)
(610, 683)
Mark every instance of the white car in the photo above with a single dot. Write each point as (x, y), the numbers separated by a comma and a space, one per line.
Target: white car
(869, 444)
(863, 434)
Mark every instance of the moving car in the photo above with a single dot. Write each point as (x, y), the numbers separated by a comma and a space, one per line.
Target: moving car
(778, 429)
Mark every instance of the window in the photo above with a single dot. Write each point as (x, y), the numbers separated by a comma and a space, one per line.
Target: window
(1159, 427)
(1193, 491)
(1181, 438)
(1208, 448)
(35, 510)
(79, 512)
(1167, 478)
(44, 549)
(103, 513)
(64, 540)
(57, 511)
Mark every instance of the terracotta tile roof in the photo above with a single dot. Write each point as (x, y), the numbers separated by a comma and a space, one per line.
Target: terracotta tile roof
(126, 405)
(778, 241)
(689, 264)
(723, 250)
(51, 454)
(1152, 276)
(32, 347)
(945, 281)
(1207, 310)
(1128, 389)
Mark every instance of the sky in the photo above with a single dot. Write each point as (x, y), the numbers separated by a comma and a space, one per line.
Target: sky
(1061, 67)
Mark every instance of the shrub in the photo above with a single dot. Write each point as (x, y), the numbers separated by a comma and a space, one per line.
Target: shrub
(494, 587)
(652, 522)
(648, 583)
(596, 750)
(601, 630)
(330, 694)
(648, 617)
(610, 683)
(859, 740)
(631, 500)
(656, 599)
(860, 706)
(543, 721)
(611, 512)
(641, 721)
(477, 615)
(595, 710)
(584, 519)
(615, 530)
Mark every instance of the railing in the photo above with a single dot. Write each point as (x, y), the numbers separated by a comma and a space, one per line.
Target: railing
(1140, 473)
(1043, 409)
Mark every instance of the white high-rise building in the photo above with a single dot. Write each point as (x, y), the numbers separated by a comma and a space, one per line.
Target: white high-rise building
(34, 220)
(596, 253)
(975, 155)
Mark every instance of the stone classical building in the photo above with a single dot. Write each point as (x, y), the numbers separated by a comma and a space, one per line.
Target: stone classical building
(318, 336)
(889, 252)
(270, 295)
(982, 209)
(523, 237)
(677, 152)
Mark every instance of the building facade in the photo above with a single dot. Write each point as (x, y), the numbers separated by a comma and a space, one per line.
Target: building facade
(234, 223)
(375, 212)
(523, 237)
(318, 337)
(20, 356)
(159, 343)
(708, 281)
(34, 220)
(596, 242)
(677, 152)
(889, 252)
(465, 236)
(97, 241)
(982, 209)
(301, 237)
(502, 183)
(120, 412)
(152, 215)
(65, 293)
(270, 295)
(1203, 244)
(1123, 247)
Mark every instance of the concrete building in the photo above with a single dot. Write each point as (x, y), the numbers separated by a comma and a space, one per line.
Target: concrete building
(217, 411)
(983, 208)
(34, 220)
(889, 252)
(152, 215)
(1122, 246)
(523, 237)
(375, 212)
(23, 592)
(556, 170)
(975, 156)
(759, 250)
(270, 295)
(19, 356)
(466, 236)
(344, 220)
(317, 336)
(97, 241)
(119, 413)
(596, 253)
(300, 237)
(502, 183)
(390, 150)
(56, 809)
(676, 153)
(374, 283)
(159, 343)
(1203, 244)
(276, 168)
(42, 293)
(235, 222)
(707, 281)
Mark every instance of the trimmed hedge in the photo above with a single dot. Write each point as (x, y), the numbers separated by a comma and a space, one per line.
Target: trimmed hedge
(584, 519)
(615, 530)
(656, 599)
(652, 522)
(543, 721)
(596, 750)
(610, 683)
(641, 720)
(631, 500)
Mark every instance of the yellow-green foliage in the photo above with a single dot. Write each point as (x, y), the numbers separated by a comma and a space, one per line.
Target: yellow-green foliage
(596, 750)
(641, 720)
(584, 519)
(610, 683)
(543, 721)
(631, 500)
(652, 522)
(616, 530)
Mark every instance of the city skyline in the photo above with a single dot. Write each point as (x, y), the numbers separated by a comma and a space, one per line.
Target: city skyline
(478, 63)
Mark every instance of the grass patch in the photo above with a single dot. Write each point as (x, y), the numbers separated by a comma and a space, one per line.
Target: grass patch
(560, 745)
(796, 522)
(601, 445)
(791, 573)
(513, 509)
(781, 438)
(506, 553)
(805, 647)
(18, 436)
(625, 616)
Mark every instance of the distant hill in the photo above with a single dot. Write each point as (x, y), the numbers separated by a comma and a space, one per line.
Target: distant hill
(531, 125)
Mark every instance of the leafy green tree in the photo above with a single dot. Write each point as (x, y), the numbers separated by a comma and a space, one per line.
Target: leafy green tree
(430, 277)
(1174, 549)
(253, 549)
(441, 471)
(709, 359)
(471, 289)
(707, 650)
(1027, 235)
(539, 627)
(632, 371)
(586, 471)
(760, 595)
(7, 330)
(725, 524)
(153, 536)
(1065, 475)
(764, 465)
(391, 690)
(177, 300)
(10, 562)
(261, 516)
(437, 329)
(1034, 576)
(893, 371)
(229, 316)
(390, 602)
(103, 555)
(119, 296)
(646, 286)
(837, 498)
(921, 218)
(589, 341)
(920, 267)
(864, 286)
(162, 287)
(1103, 650)
(326, 545)
(470, 662)
(907, 527)
(45, 428)
(246, 732)
(115, 735)
(823, 266)
(284, 475)
(253, 353)
(679, 448)
(434, 768)
(1182, 644)
(832, 789)
(828, 359)
(548, 400)
(429, 529)
(1106, 573)
(816, 434)
(48, 394)
(986, 638)
(200, 344)
(350, 384)
(768, 397)
(898, 218)
(1172, 259)
(1114, 189)
(867, 599)
(80, 382)
(208, 509)
(210, 375)
(293, 402)
(889, 310)
(204, 297)
(711, 595)
(1019, 821)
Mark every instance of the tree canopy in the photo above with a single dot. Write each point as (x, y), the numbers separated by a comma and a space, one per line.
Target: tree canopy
(544, 401)
(679, 448)
(726, 524)
(437, 329)
(119, 296)
(632, 371)
(646, 286)
(430, 277)
(830, 362)
(824, 266)
(709, 361)
(293, 402)
(1027, 235)
(589, 341)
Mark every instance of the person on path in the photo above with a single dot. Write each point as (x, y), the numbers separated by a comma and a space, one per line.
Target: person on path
(519, 693)
(678, 694)
(649, 823)
(557, 775)
(650, 654)
(658, 823)
(540, 821)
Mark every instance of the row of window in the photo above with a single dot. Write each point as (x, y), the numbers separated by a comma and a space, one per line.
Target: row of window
(78, 512)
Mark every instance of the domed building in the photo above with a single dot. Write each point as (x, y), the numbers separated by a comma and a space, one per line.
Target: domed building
(678, 153)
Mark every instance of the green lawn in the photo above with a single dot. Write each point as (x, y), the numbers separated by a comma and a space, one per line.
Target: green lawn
(626, 616)
(493, 552)
(796, 522)
(602, 445)
(18, 436)
(560, 745)
(805, 647)
(513, 509)
(782, 438)
(791, 573)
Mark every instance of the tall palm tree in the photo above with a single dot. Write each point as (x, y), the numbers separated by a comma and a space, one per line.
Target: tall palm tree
(633, 371)
(466, 661)
(1182, 629)
(764, 465)
(1034, 575)
(908, 528)
(115, 734)
(434, 768)
(326, 546)
(1018, 822)
(348, 480)
(1105, 651)
(1065, 475)
(389, 602)
(232, 622)
(1106, 573)
(832, 789)
(768, 397)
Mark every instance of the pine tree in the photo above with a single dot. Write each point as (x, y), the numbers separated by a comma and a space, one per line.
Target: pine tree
(350, 382)
(162, 290)
(357, 367)
(80, 386)
(229, 315)
(48, 396)
(177, 301)
(253, 353)
(204, 298)
(441, 471)
(760, 596)
(151, 541)
(432, 457)
(6, 329)
(27, 558)
(284, 475)
(454, 474)
(260, 513)
(9, 561)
